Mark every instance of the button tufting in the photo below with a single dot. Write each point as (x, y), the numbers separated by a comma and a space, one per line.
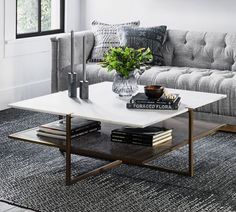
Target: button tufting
(185, 42)
(203, 42)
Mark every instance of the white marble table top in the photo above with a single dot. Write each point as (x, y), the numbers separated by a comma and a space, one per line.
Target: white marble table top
(106, 106)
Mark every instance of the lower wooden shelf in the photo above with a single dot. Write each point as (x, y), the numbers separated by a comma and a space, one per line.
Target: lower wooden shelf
(98, 144)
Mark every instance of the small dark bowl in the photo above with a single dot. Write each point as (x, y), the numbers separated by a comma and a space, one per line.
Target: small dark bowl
(153, 91)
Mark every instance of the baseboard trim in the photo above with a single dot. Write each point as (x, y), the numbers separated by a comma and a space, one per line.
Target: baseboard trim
(24, 91)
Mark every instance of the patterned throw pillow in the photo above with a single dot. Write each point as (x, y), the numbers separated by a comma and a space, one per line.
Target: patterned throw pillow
(152, 37)
(106, 37)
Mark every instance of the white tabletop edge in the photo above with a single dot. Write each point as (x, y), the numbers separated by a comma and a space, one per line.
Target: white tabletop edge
(111, 122)
(182, 111)
(221, 96)
(155, 122)
(12, 105)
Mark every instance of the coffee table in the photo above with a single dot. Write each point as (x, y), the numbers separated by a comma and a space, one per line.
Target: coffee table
(105, 106)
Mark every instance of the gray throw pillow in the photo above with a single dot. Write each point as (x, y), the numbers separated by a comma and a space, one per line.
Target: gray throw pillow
(106, 37)
(151, 37)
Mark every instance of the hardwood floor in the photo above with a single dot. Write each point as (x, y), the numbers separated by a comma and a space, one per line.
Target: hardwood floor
(4, 207)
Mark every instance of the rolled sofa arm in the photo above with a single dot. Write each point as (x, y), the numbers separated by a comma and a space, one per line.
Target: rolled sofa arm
(61, 56)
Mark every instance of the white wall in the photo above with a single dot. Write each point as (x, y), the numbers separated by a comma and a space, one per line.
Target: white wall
(198, 15)
(25, 64)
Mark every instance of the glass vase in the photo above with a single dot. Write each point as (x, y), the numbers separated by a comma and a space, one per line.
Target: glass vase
(125, 86)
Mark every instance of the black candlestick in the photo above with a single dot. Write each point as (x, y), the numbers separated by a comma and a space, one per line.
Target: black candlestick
(72, 76)
(84, 85)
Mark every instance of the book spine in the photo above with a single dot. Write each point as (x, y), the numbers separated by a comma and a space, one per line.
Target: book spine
(140, 101)
(63, 133)
(62, 130)
(151, 101)
(63, 121)
(84, 132)
(163, 132)
(138, 142)
(151, 106)
(85, 128)
(140, 137)
(129, 136)
(47, 130)
(131, 142)
(129, 139)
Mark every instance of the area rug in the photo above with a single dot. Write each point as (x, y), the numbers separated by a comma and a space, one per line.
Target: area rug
(32, 176)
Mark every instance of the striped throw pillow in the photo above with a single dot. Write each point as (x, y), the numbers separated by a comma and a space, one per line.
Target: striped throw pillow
(106, 37)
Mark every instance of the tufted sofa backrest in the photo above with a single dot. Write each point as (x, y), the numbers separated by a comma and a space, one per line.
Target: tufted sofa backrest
(201, 50)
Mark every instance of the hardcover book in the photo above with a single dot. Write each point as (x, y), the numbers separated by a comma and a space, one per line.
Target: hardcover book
(58, 136)
(155, 106)
(146, 131)
(147, 136)
(140, 98)
(136, 142)
(59, 127)
(139, 138)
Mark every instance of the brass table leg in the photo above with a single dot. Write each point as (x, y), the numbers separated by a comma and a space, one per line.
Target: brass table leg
(228, 128)
(190, 171)
(68, 149)
(190, 142)
(69, 179)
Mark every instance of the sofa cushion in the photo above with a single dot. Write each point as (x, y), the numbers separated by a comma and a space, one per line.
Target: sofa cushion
(204, 80)
(95, 73)
(148, 37)
(106, 36)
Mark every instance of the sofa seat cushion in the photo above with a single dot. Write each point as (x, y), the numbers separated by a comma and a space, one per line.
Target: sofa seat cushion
(204, 80)
(95, 73)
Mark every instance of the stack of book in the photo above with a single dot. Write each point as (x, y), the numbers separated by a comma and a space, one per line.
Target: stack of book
(141, 101)
(148, 136)
(57, 129)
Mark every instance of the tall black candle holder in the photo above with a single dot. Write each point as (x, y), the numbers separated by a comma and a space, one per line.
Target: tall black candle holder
(84, 84)
(72, 76)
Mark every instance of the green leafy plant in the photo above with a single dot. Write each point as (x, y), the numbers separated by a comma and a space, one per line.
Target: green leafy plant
(125, 60)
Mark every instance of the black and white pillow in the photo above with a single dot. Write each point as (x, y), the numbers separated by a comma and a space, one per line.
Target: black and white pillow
(151, 37)
(106, 37)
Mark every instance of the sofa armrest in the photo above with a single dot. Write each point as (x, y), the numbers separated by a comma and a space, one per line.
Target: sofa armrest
(61, 54)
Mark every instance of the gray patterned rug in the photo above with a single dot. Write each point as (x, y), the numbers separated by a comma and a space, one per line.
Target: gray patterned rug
(33, 176)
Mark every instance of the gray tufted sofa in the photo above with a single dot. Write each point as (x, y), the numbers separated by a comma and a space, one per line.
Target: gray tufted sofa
(199, 61)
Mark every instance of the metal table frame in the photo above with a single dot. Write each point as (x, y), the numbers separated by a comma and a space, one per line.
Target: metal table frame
(190, 172)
